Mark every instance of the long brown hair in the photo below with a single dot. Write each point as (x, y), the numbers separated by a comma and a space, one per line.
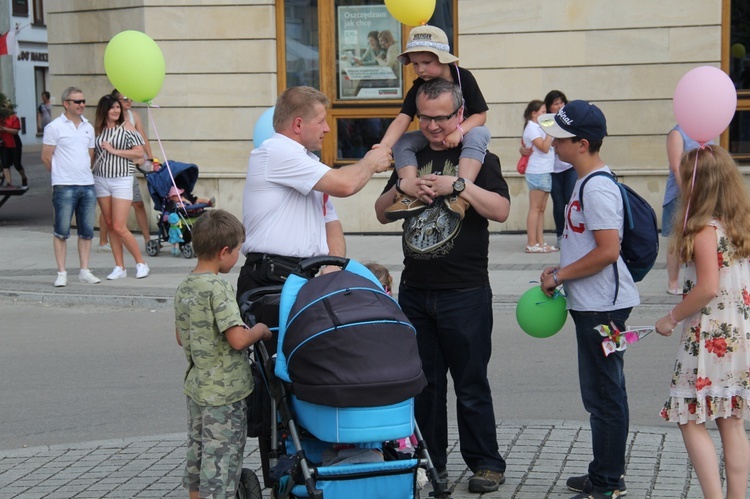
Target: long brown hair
(102, 109)
(719, 192)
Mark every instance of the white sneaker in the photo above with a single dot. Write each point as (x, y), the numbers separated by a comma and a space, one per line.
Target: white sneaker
(141, 270)
(104, 248)
(118, 273)
(86, 276)
(62, 279)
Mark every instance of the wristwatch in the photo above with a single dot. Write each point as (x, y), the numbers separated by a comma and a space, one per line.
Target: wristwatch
(458, 186)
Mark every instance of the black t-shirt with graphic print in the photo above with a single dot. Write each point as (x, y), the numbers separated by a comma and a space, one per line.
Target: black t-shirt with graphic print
(441, 251)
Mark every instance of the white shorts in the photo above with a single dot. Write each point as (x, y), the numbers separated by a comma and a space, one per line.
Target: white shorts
(116, 187)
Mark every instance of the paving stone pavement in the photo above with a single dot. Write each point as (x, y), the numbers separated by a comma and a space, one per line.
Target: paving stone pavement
(541, 454)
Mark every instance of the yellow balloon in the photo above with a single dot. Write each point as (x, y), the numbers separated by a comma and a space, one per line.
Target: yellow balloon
(411, 12)
(738, 50)
(135, 65)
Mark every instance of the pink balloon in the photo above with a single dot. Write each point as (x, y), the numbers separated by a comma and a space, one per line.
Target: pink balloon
(704, 103)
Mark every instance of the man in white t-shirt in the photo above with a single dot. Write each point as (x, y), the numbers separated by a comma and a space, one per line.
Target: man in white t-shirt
(589, 250)
(67, 152)
(286, 209)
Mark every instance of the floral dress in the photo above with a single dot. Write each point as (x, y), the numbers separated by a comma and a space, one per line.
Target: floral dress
(711, 375)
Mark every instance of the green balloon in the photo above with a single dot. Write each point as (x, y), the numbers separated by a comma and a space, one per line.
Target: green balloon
(539, 315)
(135, 65)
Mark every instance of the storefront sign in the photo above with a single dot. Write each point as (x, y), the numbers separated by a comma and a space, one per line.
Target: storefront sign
(25, 55)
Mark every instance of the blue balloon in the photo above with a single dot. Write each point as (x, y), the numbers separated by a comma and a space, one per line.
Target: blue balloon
(263, 127)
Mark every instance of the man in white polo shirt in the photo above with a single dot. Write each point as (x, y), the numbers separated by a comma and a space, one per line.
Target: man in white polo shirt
(67, 152)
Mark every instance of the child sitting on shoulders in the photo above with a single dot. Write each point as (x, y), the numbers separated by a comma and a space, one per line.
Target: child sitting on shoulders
(218, 379)
(428, 51)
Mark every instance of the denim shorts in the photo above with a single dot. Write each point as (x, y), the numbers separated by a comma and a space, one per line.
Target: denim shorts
(667, 216)
(116, 187)
(74, 199)
(539, 181)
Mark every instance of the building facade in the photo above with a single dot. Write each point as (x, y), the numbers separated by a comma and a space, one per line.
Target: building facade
(25, 75)
(227, 61)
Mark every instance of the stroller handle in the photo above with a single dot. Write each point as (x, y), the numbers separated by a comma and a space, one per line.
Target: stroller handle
(311, 266)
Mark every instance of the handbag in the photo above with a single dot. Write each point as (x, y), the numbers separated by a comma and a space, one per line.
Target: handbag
(521, 165)
(523, 161)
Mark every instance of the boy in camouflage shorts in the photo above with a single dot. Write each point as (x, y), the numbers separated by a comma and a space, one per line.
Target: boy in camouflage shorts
(218, 380)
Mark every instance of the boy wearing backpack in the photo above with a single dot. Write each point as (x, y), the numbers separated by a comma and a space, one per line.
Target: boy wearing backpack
(590, 246)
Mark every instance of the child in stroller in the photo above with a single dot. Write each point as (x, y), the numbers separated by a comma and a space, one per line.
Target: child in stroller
(174, 180)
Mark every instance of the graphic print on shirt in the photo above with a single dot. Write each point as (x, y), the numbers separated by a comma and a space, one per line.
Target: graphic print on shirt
(574, 219)
(430, 234)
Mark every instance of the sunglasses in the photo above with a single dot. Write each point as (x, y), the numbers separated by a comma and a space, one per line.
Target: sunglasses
(76, 101)
(125, 99)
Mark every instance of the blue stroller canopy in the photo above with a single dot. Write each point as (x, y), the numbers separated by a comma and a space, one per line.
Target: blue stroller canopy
(159, 182)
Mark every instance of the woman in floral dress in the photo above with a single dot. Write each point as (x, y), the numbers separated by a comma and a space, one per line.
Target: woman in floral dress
(711, 380)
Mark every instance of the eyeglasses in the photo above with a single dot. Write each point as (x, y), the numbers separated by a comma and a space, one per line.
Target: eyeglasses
(76, 101)
(439, 120)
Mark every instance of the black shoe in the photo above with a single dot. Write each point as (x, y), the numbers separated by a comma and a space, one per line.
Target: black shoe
(25, 182)
(583, 484)
(486, 481)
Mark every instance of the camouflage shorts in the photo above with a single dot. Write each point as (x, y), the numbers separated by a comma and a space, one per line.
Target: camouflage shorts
(215, 447)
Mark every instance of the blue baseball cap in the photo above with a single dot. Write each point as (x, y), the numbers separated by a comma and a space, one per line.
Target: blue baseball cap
(577, 118)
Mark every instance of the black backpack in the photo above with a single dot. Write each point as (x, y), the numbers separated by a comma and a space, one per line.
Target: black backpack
(640, 237)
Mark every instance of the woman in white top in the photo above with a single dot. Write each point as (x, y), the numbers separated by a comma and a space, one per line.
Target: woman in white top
(116, 148)
(538, 176)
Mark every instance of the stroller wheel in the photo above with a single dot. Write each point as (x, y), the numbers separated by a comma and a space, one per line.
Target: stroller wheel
(187, 250)
(249, 486)
(153, 247)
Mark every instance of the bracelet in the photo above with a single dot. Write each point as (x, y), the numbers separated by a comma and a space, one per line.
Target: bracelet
(554, 277)
(672, 317)
(458, 127)
(398, 187)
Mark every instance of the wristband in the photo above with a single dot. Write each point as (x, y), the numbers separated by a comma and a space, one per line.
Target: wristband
(398, 187)
(672, 317)
(554, 277)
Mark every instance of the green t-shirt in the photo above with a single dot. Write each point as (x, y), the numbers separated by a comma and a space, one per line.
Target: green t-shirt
(217, 374)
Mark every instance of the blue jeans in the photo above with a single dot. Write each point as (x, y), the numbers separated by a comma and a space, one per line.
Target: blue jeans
(562, 188)
(78, 199)
(604, 396)
(454, 329)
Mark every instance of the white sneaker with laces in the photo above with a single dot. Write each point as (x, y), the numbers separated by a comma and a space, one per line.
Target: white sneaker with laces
(104, 248)
(62, 279)
(141, 270)
(118, 273)
(86, 276)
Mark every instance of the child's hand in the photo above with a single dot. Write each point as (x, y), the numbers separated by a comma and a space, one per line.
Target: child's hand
(547, 280)
(453, 139)
(262, 331)
(665, 326)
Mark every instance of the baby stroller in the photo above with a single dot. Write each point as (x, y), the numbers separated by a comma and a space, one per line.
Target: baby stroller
(342, 387)
(159, 183)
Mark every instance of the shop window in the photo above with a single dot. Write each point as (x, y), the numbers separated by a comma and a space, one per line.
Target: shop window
(20, 8)
(739, 71)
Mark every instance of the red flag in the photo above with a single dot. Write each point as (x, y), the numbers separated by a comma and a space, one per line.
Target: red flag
(8, 43)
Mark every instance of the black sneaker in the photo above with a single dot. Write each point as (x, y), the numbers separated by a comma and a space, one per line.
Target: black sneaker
(486, 481)
(403, 207)
(583, 484)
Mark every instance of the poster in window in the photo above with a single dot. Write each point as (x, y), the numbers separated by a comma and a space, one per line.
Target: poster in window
(368, 49)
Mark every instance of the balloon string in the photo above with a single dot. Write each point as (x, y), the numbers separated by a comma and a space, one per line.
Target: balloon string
(163, 153)
(692, 186)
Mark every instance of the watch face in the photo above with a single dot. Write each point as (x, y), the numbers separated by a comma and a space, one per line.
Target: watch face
(459, 185)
